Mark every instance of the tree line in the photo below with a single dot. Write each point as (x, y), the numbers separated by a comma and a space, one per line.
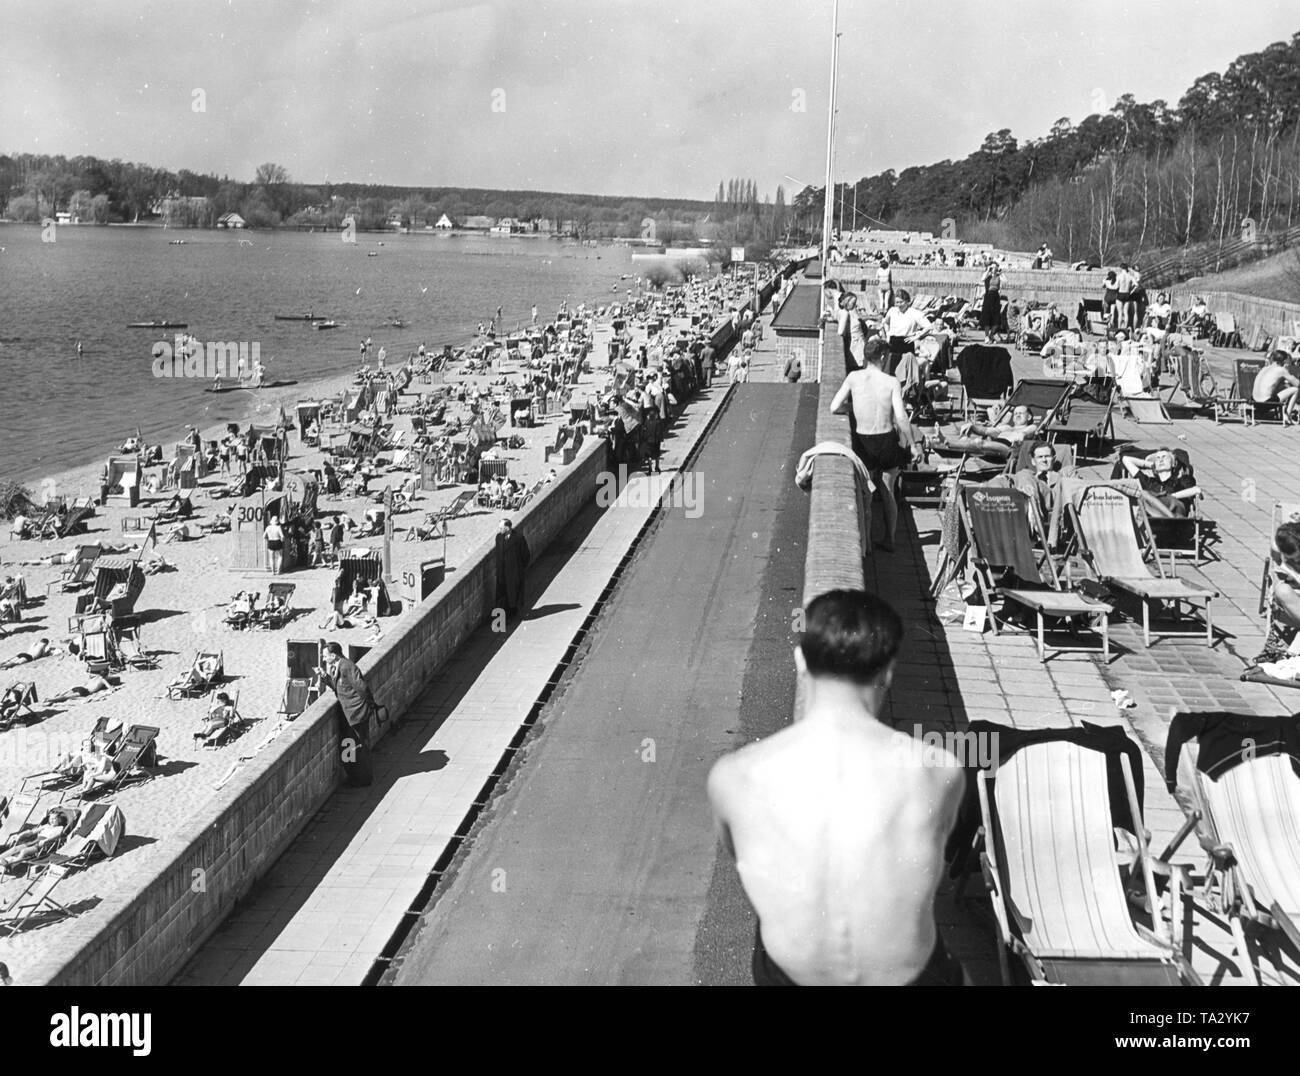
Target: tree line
(1136, 179)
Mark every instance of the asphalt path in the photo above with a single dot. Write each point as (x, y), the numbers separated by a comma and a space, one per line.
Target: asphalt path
(597, 862)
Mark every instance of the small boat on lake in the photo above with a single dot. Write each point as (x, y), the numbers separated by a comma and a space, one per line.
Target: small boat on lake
(158, 325)
(325, 324)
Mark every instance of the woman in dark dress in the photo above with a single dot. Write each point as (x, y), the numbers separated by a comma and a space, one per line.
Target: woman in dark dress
(991, 310)
(1284, 611)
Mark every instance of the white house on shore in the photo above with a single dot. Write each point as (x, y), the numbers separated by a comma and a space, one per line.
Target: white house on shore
(231, 220)
(444, 223)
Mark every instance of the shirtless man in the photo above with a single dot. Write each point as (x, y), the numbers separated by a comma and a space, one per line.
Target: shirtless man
(994, 439)
(883, 435)
(94, 685)
(836, 825)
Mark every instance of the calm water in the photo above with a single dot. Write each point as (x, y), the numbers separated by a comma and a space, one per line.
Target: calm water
(60, 412)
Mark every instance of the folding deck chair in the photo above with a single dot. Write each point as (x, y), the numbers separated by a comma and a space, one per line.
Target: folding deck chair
(32, 897)
(1107, 533)
(133, 651)
(78, 574)
(1194, 378)
(206, 671)
(233, 729)
(18, 696)
(1178, 536)
(98, 830)
(998, 522)
(437, 524)
(1225, 332)
(19, 811)
(986, 376)
(1045, 398)
(301, 686)
(276, 612)
(1238, 402)
(137, 751)
(1089, 414)
(1053, 871)
(1246, 815)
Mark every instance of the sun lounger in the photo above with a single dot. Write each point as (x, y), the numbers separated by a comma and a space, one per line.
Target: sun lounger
(133, 651)
(1107, 533)
(1089, 415)
(1246, 795)
(276, 612)
(436, 524)
(19, 812)
(233, 729)
(1225, 332)
(986, 376)
(18, 696)
(1002, 553)
(1053, 872)
(97, 831)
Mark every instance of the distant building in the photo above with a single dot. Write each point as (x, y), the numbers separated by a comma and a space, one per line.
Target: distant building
(480, 222)
(64, 217)
(444, 223)
(231, 220)
(506, 226)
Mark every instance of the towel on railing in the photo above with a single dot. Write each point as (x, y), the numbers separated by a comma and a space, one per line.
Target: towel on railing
(803, 476)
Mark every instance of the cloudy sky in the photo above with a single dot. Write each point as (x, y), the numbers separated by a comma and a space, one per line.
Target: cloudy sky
(633, 97)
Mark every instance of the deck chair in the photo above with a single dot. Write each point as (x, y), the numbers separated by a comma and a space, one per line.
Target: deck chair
(1147, 410)
(1237, 402)
(1177, 536)
(1225, 332)
(73, 522)
(205, 672)
(1053, 872)
(32, 898)
(233, 729)
(1045, 397)
(1246, 814)
(19, 812)
(1088, 414)
(1001, 524)
(18, 696)
(1107, 533)
(135, 754)
(986, 376)
(1253, 412)
(437, 524)
(276, 612)
(1031, 334)
(133, 651)
(301, 688)
(1194, 378)
(98, 831)
(1282, 512)
(78, 574)
(99, 645)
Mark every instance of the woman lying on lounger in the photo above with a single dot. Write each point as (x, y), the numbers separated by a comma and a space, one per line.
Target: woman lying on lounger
(36, 841)
(1168, 487)
(994, 440)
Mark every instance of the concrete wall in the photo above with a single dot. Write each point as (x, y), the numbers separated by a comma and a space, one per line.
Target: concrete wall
(1278, 318)
(145, 937)
(1043, 285)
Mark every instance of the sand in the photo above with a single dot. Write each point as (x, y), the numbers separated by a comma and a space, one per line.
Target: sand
(182, 611)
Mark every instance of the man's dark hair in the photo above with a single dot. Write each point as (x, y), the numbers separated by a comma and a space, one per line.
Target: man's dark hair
(850, 634)
(1280, 357)
(1287, 541)
(334, 648)
(875, 351)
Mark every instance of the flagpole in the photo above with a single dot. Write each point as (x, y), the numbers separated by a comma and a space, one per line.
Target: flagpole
(828, 207)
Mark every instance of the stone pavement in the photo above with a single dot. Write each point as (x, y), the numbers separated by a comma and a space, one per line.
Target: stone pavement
(333, 902)
(949, 676)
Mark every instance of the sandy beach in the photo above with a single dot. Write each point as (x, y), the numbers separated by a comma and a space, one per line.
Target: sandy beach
(182, 611)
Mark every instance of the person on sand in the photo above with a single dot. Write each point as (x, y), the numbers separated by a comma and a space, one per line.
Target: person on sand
(274, 543)
(94, 685)
(882, 435)
(837, 823)
(23, 657)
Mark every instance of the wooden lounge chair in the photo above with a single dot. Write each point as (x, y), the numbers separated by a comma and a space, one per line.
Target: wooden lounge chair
(1225, 332)
(1107, 533)
(97, 830)
(277, 611)
(19, 811)
(1006, 567)
(437, 524)
(77, 575)
(18, 696)
(32, 897)
(234, 728)
(1245, 816)
(1194, 379)
(1054, 874)
(133, 651)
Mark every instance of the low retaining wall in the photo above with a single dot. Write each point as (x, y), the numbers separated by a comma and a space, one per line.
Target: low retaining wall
(834, 557)
(1059, 286)
(1278, 318)
(189, 882)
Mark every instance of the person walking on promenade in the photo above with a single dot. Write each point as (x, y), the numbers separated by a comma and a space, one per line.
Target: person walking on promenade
(274, 543)
(356, 706)
(882, 434)
(837, 823)
(991, 307)
(512, 559)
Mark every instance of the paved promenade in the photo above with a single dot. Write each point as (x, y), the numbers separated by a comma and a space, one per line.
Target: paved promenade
(332, 903)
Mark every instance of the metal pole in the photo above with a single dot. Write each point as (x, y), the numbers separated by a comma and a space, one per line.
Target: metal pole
(828, 207)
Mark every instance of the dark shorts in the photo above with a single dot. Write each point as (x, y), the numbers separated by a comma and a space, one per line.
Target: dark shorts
(274, 547)
(942, 969)
(1125, 296)
(880, 451)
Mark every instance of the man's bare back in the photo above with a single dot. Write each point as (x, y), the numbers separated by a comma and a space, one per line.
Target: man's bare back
(838, 833)
(838, 823)
(877, 401)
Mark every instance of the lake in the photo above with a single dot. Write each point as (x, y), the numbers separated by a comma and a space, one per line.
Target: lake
(87, 285)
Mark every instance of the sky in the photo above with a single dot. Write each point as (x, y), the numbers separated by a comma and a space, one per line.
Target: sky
(650, 98)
